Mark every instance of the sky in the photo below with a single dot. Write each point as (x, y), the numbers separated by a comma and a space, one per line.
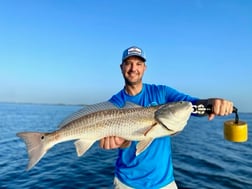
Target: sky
(69, 51)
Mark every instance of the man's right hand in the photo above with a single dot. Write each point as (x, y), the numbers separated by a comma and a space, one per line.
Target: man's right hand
(113, 142)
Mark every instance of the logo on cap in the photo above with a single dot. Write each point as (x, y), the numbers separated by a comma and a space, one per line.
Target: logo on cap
(134, 50)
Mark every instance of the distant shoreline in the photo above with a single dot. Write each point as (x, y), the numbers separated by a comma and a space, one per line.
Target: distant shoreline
(40, 103)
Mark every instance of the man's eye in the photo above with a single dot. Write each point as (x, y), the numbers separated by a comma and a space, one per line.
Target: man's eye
(127, 63)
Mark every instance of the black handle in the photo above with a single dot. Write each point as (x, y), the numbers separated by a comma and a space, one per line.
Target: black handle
(209, 110)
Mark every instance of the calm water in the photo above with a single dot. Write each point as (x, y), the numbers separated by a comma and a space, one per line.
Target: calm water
(202, 158)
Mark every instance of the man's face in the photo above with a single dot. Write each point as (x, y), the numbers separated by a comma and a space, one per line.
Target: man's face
(133, 69)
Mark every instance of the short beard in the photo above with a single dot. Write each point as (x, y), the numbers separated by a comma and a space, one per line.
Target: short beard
(127, 82)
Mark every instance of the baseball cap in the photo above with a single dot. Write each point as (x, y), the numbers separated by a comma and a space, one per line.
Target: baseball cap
(133, 51)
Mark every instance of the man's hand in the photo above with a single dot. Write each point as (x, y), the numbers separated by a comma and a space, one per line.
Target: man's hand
(113, 142)
(220, 107)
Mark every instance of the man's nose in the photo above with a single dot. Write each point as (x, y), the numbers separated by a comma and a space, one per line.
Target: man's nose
(133, 67)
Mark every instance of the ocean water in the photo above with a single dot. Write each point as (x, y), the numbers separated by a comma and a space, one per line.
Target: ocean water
(202, 158)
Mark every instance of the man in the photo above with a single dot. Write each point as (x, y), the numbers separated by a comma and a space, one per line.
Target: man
(153, 168)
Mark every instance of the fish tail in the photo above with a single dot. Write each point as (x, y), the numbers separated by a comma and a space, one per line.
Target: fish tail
(36, 146)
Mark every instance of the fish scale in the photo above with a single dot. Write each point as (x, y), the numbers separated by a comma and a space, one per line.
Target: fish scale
(102, 123)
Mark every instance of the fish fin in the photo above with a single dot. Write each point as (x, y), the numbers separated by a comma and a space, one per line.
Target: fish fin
(142, 145)
(88, 109)
(146, 132)
(157, 129)
(82, 145)
(36, 146)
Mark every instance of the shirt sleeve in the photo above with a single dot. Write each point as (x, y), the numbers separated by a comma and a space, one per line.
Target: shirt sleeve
(172, 95)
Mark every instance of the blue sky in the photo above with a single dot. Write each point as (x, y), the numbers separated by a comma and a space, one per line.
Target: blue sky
(69, 51)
